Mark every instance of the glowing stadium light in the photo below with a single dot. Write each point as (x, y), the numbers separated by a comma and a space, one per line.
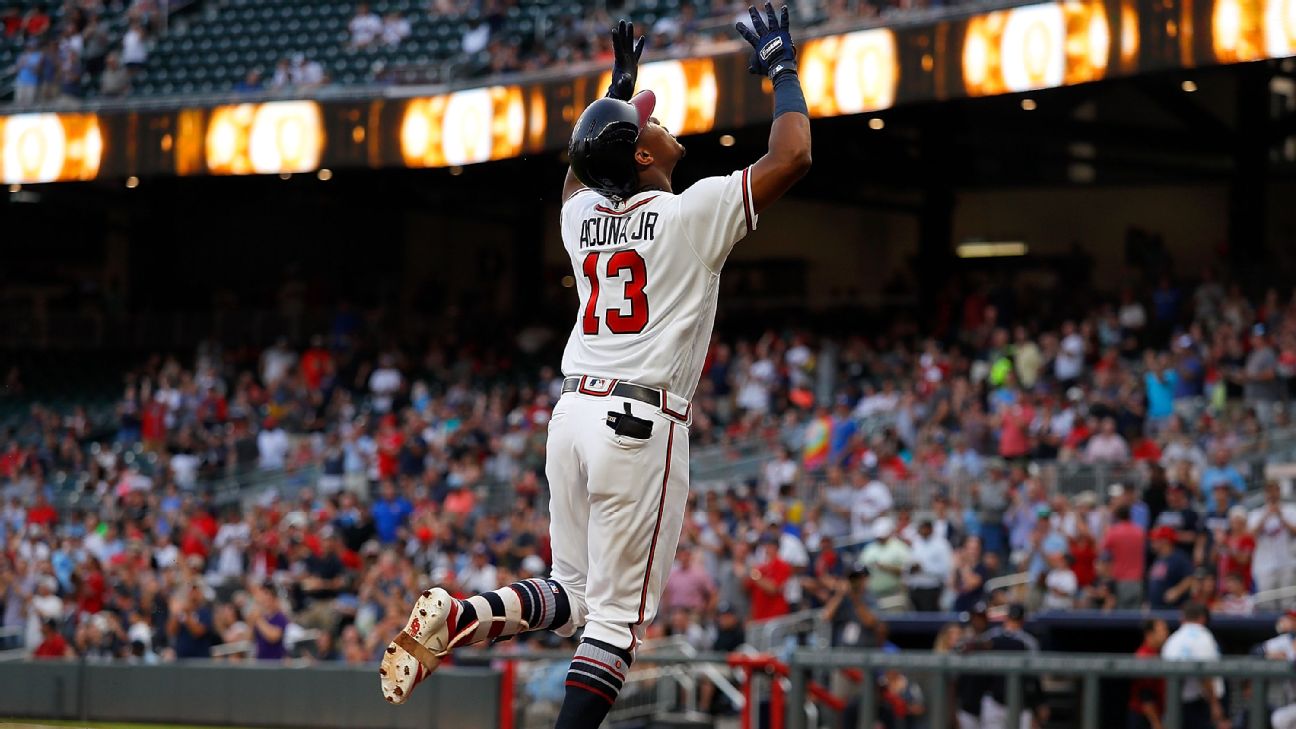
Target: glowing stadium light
(49, 147)
(1088, 41)
(1280, 28)
(991, 249)
(464, 127)
(275, 137)
(686, 93)
(132, 182)
(851, 73)
(726, 140)
(1237, 30)
(1032, 52)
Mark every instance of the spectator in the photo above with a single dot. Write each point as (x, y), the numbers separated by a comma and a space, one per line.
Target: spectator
(385, 383)
(365, 27)
(1147, 695)
(967, 582)
(689, 586)
(115, 81)
(69, 73)
(851, 611)
(27, 80)
(1220, 470)
(1235, 549)
(766, 583)
(1060, 585)
(52, 644)
(134, 48)
(42, 607)
(390, 513)
(1274, 526)
(1101, 594)
(395, 29)
(933, 559)
(1171, 576)
(269, 624)
(1202, 699)
(1235, 600)
(95, 45)
(1183, 519)
(273, 445)
(1260, 384)
(888, 559)
(872, 500)
(251, 84)
(189, 623)
(1107, 445)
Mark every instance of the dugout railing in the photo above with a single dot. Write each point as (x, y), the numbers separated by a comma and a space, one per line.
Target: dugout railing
(795, 693)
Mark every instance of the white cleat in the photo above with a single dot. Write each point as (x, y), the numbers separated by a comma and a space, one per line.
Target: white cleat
(418, 649)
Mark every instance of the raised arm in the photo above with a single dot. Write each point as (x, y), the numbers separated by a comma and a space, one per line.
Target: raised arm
(625, 71)
(788, 158)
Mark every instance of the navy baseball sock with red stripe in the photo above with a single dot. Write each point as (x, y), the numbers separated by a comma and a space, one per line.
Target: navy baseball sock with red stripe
(597, 672)
(521, 607)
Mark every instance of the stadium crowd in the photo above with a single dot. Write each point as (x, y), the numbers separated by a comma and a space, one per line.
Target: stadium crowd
(908, 473)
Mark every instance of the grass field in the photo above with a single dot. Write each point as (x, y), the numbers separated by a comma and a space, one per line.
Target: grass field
(44, 724)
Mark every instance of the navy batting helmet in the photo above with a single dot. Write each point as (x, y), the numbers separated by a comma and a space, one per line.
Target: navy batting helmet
(603, 144)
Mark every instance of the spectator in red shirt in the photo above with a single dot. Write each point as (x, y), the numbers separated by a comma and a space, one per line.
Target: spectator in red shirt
(42, 512)
(52, 644)
(12, 461)
(766, 581)
(1147, 695)
(1126, 543)
(315, 363)
(1236, 547)
(1084, 553)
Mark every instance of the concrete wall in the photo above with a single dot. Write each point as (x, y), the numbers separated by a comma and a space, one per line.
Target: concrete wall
(326, 697)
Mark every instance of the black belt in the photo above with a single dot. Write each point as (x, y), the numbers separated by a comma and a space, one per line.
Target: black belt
(620, 389)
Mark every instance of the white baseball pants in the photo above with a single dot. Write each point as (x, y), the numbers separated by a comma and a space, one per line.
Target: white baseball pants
(616, 509)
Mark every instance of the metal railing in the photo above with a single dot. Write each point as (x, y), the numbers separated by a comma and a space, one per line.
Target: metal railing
(1090, 669)
(1277, 597)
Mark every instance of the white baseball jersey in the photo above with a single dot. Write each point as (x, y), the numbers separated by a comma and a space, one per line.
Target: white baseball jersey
(648, 273)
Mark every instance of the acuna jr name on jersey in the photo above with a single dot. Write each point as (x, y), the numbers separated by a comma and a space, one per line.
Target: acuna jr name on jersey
(601, 231)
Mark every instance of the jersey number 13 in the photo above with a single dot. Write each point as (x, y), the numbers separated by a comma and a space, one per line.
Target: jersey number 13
(618, 321)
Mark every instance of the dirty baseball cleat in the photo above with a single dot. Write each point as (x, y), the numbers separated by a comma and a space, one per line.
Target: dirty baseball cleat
(418, 649)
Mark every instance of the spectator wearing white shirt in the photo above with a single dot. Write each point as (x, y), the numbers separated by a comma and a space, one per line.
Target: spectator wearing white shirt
(779, 472)
(134, 48)
(1060, 585)
(1274, 527)
(365, 27)
(384, 383)
(1202, 706)
(272, 446)
(480, 575)
(933, 559)
(395, 29)
(872, 499)
(1068, 366)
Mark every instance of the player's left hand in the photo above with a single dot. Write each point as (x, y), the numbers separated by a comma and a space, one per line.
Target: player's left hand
(625, 65)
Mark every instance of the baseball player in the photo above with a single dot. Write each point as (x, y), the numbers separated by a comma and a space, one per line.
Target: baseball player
(647, 263)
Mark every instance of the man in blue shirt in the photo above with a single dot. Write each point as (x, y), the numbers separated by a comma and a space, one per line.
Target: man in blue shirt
(1220, 470)
(390, 513)
(1160, 382)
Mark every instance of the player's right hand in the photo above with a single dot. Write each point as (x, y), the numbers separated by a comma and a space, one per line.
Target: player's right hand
(773, 52)
(625, 64)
